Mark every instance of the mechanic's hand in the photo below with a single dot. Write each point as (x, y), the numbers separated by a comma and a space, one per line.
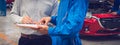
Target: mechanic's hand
(43, 29)
(26, 20)
(114, 13)
(45, 20)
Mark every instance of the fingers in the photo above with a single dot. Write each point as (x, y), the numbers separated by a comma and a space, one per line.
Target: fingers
(43, 29)
(27, 20)
(40, 26)
(45, 20)
(42, 21)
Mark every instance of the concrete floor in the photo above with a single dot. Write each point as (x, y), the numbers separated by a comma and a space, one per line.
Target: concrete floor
(8, 32)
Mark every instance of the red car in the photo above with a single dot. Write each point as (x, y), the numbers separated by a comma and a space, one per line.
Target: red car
(101, 25)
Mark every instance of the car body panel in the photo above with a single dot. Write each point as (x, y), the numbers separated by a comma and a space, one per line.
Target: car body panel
(97, 25)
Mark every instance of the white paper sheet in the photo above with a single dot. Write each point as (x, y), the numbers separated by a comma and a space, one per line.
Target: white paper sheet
(27, 25)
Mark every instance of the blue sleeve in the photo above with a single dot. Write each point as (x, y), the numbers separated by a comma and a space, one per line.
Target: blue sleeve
(116, 5)
(53, 19)
(74, 21)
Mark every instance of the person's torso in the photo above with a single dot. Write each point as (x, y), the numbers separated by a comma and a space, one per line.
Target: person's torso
(36, 9)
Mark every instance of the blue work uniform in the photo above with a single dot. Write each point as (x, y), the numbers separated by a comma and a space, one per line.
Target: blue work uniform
(116, 6)
(2, 8)
(69, 21)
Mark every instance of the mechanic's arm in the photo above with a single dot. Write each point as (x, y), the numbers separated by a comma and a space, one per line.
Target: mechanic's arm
(74, 21)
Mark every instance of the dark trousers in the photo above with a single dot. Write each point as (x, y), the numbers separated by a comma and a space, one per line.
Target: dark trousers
(41, 40)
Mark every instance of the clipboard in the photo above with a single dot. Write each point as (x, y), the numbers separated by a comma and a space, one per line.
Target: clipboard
(28, 25)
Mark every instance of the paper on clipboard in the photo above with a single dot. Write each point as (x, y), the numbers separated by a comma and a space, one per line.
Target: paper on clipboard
(28, 25)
